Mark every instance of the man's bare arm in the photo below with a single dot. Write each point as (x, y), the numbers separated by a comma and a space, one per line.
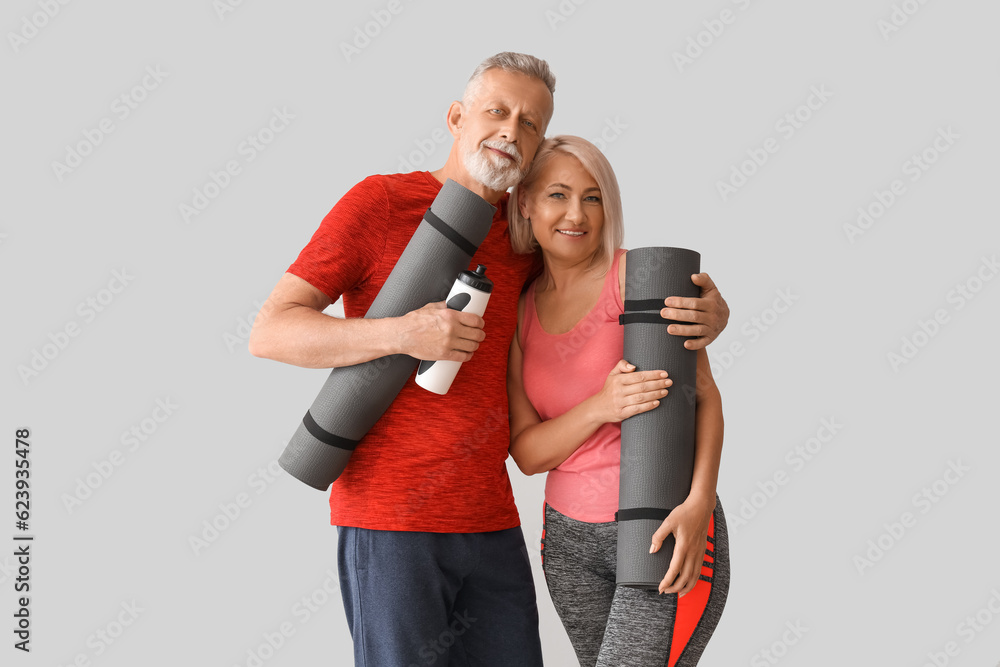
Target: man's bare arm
(291, 328)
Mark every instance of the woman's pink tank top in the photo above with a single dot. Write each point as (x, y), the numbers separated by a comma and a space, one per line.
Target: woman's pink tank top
(559, 372)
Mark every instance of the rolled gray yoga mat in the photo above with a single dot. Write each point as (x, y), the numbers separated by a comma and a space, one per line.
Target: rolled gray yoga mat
(354, 397)
(657, 455)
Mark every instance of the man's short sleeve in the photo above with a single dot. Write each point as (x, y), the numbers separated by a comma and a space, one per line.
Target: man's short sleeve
(349, 243)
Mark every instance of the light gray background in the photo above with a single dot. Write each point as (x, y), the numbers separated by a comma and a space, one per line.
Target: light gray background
(170, 333)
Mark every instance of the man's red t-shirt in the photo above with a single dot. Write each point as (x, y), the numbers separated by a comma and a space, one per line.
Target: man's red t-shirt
(431, 463)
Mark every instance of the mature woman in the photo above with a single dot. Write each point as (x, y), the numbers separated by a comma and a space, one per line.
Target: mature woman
(568, 392)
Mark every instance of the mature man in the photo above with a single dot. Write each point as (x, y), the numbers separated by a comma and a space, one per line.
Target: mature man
(433, 566)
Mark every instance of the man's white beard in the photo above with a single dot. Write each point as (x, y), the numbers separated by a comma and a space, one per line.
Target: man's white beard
(494, 171)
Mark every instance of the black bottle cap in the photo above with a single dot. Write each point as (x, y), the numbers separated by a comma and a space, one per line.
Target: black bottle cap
(477, 280)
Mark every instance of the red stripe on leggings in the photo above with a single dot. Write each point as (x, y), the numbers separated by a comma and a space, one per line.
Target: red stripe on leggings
(691, 607)
(541, 545)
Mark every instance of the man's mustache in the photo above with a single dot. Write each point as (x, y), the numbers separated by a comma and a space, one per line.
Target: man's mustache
(508, 148)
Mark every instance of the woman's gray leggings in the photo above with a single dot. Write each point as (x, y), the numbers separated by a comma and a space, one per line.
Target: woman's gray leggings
(611, 626)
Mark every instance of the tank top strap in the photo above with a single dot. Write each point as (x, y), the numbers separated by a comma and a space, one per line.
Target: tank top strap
(611, 296)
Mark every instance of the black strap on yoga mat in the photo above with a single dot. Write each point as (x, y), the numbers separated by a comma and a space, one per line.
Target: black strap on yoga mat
(644, 304)
(643, 318)
(325, 436)
(449, 233)
(641, 513)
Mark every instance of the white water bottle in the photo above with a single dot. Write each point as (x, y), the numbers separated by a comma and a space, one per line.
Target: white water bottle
(470, 293)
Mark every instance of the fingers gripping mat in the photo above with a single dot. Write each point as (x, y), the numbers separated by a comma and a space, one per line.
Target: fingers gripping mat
(354, 397)
(657, 454)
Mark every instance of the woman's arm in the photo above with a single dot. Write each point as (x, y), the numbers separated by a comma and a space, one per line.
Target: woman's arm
(538, 446)
(708, 429)
(689, 521)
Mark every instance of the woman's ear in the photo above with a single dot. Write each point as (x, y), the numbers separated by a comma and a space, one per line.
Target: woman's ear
(522, 202)
(455, 119)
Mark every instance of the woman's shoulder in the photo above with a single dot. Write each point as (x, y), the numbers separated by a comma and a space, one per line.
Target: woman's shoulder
(621, 273)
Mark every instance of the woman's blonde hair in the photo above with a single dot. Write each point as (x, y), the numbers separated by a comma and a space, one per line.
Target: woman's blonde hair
(613, 235)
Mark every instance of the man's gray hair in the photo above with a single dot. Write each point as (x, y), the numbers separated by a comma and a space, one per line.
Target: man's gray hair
(509, 61)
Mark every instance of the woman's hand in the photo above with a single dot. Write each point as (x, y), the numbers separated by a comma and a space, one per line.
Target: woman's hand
(689, 524)
(628, 393)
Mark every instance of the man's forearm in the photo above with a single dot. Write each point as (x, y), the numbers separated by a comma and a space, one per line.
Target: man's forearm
(302, 336)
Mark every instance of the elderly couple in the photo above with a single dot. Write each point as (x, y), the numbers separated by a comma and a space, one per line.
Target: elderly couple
(432, 562)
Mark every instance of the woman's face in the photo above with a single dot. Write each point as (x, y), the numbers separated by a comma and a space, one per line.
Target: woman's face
(565, 208)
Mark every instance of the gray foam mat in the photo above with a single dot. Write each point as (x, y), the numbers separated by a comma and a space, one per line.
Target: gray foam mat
(354, 397)
(657, 452)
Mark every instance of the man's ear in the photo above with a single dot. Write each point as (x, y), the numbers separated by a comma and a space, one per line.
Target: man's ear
(455, 118)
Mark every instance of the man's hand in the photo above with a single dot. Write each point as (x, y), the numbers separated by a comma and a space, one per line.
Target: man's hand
(709, 313)
(436, 332)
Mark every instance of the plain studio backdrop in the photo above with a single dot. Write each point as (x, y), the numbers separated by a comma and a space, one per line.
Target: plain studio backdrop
(834, 163)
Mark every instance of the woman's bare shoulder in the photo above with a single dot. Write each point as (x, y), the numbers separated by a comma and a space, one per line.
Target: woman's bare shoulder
(621, 274)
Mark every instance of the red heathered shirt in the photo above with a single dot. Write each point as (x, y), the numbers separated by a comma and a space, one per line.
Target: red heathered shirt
(431, 463)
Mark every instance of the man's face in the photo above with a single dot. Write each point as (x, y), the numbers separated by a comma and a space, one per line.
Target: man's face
(501, 127)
